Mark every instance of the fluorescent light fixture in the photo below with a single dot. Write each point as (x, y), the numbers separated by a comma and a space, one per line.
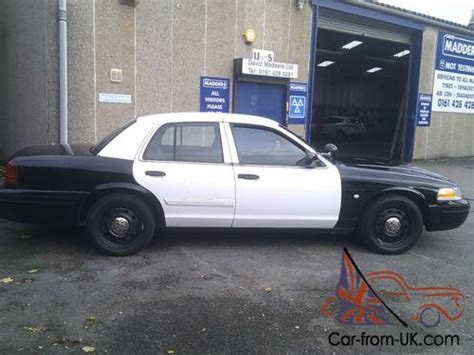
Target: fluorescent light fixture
(325, 64)
(402, 53)
(351, 45)
(374, 70)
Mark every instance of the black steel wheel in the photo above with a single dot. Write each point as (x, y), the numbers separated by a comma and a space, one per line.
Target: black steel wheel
(120, 224)
(391, 224)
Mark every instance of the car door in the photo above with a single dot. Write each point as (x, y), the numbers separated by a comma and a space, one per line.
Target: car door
(275, 187)
(187, 167)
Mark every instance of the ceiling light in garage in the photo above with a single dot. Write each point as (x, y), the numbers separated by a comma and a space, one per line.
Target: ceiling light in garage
(351, 45)
(325, 64)
(374, 70)
(402, 53)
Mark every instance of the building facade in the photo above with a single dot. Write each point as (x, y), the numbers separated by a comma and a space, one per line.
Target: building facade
(131, 58)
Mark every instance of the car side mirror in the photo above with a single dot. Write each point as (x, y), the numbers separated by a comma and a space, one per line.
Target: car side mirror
(331, 150)
(311, 158)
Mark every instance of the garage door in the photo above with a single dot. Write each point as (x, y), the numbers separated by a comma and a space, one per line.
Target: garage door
(343, 22)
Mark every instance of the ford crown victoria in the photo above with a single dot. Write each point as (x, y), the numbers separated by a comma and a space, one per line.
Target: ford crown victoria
(222, 170)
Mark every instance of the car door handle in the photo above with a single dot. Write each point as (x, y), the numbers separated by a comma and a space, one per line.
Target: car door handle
(248, 176)
(155, 173)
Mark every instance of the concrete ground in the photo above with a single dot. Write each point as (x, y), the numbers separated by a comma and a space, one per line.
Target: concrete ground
(214, 292)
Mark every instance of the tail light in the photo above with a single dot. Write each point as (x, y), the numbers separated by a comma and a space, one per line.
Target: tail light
(10, 174)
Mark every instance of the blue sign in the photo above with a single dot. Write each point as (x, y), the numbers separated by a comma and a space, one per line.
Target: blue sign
(453, 88)
(455, 54)
(214, 94)
(423, 111)
(297, 102)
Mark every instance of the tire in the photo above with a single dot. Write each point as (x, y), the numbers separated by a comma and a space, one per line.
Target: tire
(430, 317)
(392, 224)
(120, 224)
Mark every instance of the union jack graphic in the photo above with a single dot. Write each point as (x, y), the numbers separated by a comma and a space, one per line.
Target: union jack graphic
(356, 303)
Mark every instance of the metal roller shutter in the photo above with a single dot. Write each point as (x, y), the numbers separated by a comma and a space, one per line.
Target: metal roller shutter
(342, 22)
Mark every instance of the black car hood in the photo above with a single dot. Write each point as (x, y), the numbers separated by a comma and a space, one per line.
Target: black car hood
(401, 172)
(408, 169)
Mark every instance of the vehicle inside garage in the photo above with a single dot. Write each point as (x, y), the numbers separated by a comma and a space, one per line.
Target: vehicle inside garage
(361, 90)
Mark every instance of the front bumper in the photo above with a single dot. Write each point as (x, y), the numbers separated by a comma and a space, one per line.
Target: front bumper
(447, 215)
(35, 206)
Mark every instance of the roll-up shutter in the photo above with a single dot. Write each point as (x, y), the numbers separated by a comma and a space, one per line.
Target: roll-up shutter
(361, 26)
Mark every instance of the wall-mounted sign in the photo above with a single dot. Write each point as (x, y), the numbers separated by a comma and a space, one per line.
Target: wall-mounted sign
(453, 89)
(262, 54)
(297, 102)
(115, 98)
(270, 69)
(214, 94)
(423, 110)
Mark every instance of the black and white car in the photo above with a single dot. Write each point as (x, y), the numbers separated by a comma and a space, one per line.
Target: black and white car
(221, 170)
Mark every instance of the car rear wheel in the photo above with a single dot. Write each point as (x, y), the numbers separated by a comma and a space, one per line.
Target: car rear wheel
(392, 224)
(430, 317)
(120, 224)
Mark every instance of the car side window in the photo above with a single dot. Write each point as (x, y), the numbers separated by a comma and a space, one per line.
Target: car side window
(187, 142)
(260, 146)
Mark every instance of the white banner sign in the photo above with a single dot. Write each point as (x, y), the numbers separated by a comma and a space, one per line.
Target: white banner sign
(272, 69)
(115, 98)
(453, 88)
(453, 92)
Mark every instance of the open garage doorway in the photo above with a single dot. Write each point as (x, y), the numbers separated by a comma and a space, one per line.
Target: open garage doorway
(360, 96)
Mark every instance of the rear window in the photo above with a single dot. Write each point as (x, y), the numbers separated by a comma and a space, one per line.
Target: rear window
(109, 138)
(198, 142)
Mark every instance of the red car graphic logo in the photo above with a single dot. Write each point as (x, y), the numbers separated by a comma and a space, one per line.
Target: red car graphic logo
(360, 301)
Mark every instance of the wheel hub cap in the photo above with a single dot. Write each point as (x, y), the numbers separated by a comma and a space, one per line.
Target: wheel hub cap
(392, 226)
(119, 227)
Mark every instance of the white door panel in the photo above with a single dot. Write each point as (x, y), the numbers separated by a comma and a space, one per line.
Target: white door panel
(193, 191)
(287, 197)
(191, 194)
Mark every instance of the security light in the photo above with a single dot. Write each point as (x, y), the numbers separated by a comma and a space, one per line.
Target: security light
(402, 53)
(351, 45)
(325, 64)
(374, 70)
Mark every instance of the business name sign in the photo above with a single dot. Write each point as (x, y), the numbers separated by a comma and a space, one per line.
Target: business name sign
(453, 89)
(271, 69)
(214, 94)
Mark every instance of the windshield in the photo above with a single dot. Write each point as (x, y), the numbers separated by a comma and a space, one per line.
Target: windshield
(99, 146)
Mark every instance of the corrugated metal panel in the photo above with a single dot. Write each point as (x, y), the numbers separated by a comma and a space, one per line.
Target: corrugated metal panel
(342, 22)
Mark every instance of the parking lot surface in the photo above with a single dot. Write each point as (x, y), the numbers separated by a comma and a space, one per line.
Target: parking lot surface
(215, 291)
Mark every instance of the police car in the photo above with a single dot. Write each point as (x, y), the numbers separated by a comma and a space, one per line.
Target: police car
(223, 171)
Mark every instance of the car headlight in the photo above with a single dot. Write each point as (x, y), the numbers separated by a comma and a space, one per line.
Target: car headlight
(449, 194)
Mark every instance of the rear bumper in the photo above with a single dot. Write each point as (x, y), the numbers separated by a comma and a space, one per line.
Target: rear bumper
(448, 215)
(34, 206)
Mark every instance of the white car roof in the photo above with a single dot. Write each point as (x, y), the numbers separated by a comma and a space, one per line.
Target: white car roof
(207, 117)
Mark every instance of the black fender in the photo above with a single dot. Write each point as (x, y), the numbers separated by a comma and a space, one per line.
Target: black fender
(416, 196)
(124, 187)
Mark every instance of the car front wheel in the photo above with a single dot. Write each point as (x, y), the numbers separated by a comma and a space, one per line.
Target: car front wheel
(391, 224)
(120, 224)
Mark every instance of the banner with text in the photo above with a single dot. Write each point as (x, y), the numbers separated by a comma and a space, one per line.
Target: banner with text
(453, 89)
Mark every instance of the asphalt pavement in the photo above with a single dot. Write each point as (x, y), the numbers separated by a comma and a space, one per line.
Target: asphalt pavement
(219, 291)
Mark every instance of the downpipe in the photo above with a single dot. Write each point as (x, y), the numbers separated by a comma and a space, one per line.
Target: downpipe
(63, 95)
